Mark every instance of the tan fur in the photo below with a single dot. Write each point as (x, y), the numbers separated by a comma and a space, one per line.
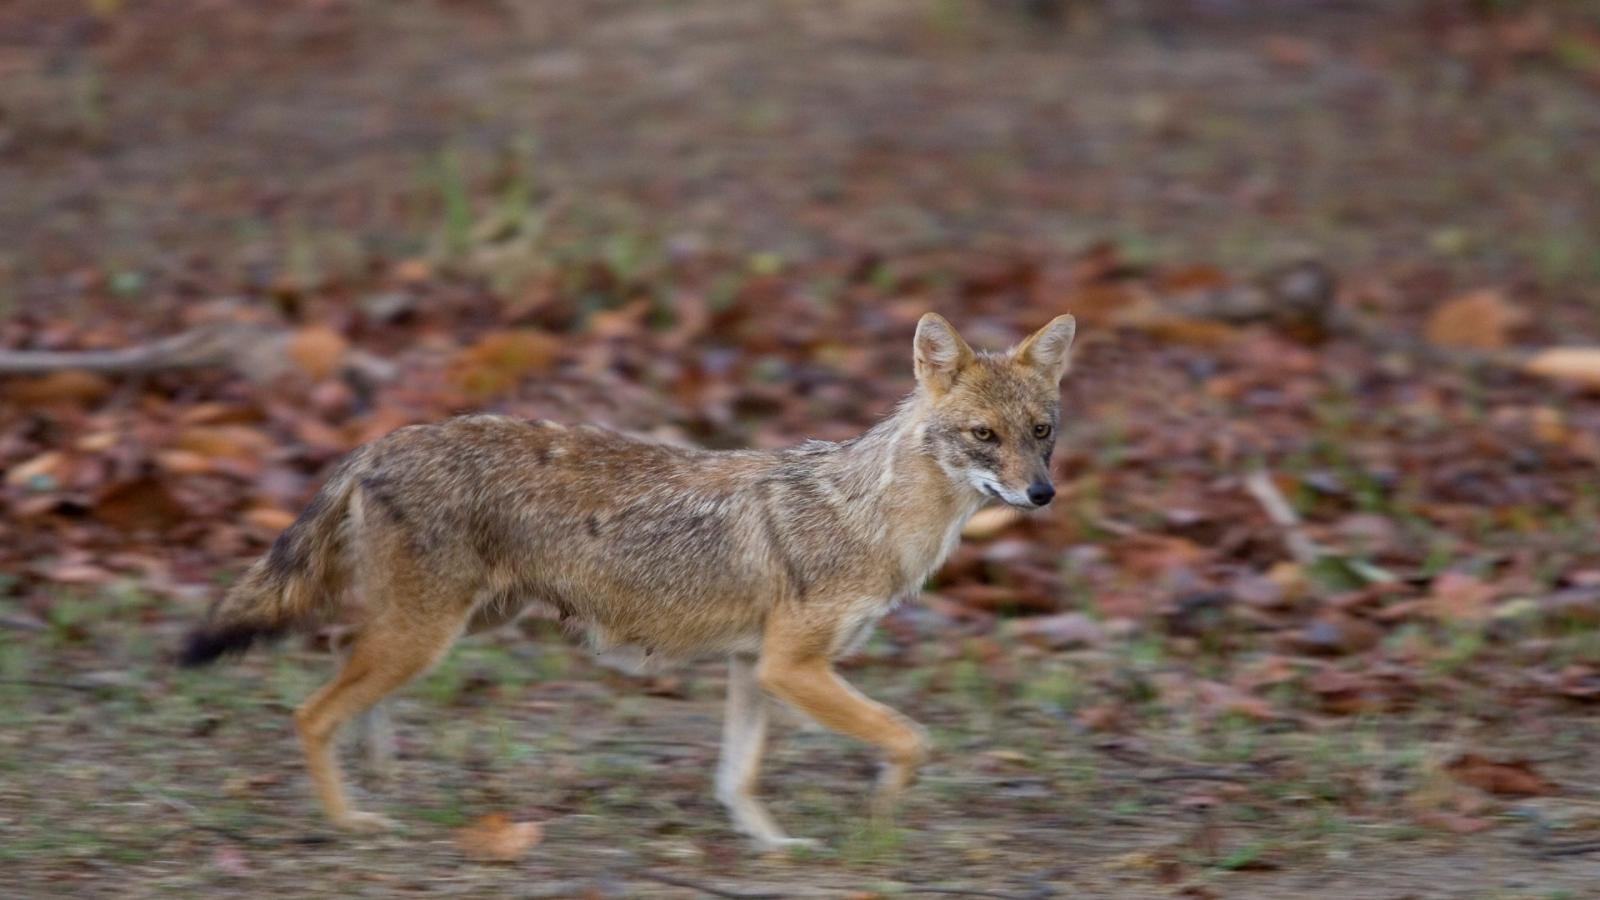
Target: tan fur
(782, 560)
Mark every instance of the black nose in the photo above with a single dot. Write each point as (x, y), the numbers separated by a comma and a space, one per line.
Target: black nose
(1041, 492)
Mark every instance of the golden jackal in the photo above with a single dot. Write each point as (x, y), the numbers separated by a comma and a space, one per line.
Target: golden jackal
(782, 560)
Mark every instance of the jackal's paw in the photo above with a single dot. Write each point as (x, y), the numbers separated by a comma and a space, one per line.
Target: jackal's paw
(786, 844)
(365, 822)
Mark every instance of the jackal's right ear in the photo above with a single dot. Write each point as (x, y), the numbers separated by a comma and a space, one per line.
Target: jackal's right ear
(939, 353)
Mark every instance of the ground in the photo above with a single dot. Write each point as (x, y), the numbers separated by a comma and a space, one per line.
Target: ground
(718, 221)
(135, 780)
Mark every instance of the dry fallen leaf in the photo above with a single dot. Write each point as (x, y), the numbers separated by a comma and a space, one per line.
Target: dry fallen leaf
(1513, 778)
(501, 359)
(495, 838)
(46, 468)
(1481, 320)
(65, 386)
(1455, 823)
(1059, 632)
(1216, 698)
(269, 519)
(224, 441)
(1455, 597)
(318, 350)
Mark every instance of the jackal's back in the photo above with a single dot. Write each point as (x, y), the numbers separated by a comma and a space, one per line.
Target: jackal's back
(647, 543)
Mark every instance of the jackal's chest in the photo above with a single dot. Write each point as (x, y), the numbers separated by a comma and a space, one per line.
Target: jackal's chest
(922, 553)
(918, 556)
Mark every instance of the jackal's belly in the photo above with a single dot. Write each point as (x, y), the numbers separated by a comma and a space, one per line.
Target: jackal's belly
(628, 617)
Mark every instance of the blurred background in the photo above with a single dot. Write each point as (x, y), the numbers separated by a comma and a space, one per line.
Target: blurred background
(1314, 615)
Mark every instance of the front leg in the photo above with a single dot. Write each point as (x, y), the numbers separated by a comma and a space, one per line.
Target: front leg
(744, 737)
(797, 668)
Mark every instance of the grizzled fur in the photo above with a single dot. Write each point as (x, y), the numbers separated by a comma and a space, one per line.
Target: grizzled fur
(782, 559)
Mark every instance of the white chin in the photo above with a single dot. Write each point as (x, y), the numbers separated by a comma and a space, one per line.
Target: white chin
(992, 491)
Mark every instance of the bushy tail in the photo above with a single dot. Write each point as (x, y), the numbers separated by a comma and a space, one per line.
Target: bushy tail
(295, 584)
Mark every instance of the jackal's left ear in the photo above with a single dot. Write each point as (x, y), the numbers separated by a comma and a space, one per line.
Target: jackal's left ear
(1047, 349)
(938, 353)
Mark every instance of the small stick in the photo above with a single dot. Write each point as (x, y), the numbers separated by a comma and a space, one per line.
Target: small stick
(1260, 485)
(964, 892)
(1193, 775)
(63, 685)
(703, 888)
(1574, 849)
(197, 348)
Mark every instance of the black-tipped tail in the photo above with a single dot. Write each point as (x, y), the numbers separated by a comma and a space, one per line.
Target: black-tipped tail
(206, 645)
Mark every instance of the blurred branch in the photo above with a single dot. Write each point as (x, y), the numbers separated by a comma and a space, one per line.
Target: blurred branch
(256, 351)
(1261, 486)
(209, 345)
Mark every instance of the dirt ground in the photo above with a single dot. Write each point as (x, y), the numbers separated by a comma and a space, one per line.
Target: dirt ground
(133, 780)
(156, 156)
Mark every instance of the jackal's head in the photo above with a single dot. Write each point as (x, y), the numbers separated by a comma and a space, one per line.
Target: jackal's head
(992, 417)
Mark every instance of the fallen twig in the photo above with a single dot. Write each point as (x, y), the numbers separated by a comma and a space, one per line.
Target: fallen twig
(1260, 485)
(63, 685)
(1194, 775)
(257, 351)
(965, 892)
(21, 624)
(1577, 848)
(209, 345)
(704, 888)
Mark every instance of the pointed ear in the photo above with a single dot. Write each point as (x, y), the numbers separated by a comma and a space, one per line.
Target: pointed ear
(938, 353)
(1046, 349)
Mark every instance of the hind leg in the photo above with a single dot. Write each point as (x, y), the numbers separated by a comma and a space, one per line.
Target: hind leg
(390, 651)
(375, 729)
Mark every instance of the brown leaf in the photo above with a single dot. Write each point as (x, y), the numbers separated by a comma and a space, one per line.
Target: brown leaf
(66, 386)
(495, 838)
(995, 596)
(184, 462)
(318, 350)
(1194, 332)
(140, 503)
(269, 519)
(1513, 778)
(501, 359)
(1481, 320)
(412, 271)
(1103, 716)
(1290, 52)
(1059, 632)
(1335, 634)
(1217, 698)
(1455, 823)
(74, 571)
(1460, 598)
(1344, 693)
(46, 469)
(224, 442)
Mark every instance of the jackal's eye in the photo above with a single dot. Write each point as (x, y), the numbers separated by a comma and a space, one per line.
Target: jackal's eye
(983, 433)
(1041, 431)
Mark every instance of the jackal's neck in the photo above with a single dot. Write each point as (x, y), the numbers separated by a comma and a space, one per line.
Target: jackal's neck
(890, 467)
